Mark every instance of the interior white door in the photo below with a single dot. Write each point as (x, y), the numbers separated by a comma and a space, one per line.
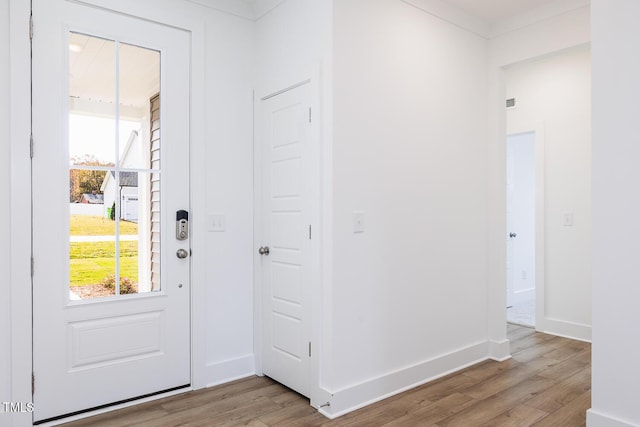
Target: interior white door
(286, 265)
(521, 186)
(110, 297)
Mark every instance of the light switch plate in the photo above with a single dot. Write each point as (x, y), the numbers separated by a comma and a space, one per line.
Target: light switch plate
(216, 223)
(568, 220)
(358, 222)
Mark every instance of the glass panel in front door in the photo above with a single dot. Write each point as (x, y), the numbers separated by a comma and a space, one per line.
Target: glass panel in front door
(114, 168)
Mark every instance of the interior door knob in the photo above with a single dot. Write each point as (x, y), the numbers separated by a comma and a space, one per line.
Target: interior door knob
(264, 250)
(513, 235)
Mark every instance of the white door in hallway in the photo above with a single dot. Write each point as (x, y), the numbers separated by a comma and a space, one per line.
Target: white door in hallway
(286, 231)
(111, 298)
(521, 188)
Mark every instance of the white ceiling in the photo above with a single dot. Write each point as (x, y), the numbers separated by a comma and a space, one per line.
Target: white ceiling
(489, 11)
(494, 11)
(92, 76)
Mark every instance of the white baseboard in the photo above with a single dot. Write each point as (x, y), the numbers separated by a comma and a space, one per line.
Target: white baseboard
(596, 419)
(564, 329)
(499, 350)
(367, 392)
(229, 370)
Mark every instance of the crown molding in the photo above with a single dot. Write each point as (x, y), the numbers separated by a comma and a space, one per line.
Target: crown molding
(453, 15)
(252, 10)
(536, 15)
(458, 17)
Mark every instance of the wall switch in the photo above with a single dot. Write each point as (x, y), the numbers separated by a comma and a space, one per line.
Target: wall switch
(216, 223)
(568, 220)
(358, 222)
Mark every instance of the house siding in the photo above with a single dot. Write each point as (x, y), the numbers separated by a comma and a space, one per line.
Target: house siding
(155, 193)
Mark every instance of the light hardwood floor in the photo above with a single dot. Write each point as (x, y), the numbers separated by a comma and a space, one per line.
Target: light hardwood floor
(546, 383)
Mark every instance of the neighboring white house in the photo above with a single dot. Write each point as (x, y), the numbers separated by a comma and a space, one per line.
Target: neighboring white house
(132, 190)
(127, 188)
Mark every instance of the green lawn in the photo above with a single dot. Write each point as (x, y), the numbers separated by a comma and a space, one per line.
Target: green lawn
(91, 262)
(91, 271)
(84, 225)
(83, 250)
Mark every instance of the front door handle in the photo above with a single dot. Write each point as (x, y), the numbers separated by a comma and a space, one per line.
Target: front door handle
(182, 253)
(264, 250)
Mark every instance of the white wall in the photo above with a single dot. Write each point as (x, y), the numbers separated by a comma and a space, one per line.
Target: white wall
(291, 44)
(555, 91)
(228, 173)
(409, 150)
(616, 213)
(5, 218)
(564, 31)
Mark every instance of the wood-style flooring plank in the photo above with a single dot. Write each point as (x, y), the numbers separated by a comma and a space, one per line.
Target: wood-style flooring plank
(434, 412)
(492, 406)
(520, 416)
(489, 368)
(546, 383)
(567, 368)
(287, 414)
(439, 389)
(380, 414)
(562, 393)
(574, 414)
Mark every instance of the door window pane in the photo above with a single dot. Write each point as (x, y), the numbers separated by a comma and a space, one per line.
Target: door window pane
(114, 168)
(139, 82)
(92, 248)
(92, 89)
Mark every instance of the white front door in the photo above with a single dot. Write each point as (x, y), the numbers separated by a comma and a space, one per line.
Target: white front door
(110, 295)
(521, 187)
(286, 231)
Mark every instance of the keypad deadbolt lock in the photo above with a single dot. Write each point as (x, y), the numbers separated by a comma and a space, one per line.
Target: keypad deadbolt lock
(182, 225)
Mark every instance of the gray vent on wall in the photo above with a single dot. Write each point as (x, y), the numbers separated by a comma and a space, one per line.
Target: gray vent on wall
(511, 103)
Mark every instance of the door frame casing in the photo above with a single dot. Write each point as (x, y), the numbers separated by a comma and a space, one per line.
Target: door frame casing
(20, 101)
(317, 395)
(20, 106)
(539, 149)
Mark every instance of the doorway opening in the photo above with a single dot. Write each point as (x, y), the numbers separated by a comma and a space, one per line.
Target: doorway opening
(521, 229)
(550, 96)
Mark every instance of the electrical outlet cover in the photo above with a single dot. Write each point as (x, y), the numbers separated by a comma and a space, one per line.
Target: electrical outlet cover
(358, 222)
